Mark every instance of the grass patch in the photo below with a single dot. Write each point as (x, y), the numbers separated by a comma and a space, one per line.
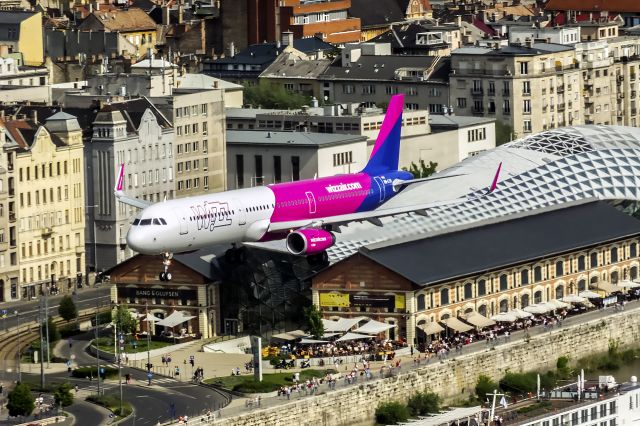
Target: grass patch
(86, 372)
(536, 409)
(111, 401)
(130, 346)
(270, 382)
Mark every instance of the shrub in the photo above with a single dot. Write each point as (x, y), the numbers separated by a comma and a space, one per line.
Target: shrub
(20, 401)
(63, 395)
(423, 403)
(391, 413)
(254, 387)
(67, 309)
(86, 372)
(519, 382)
(484, 386)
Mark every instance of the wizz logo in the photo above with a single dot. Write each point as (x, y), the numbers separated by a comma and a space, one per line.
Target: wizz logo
(212, 214)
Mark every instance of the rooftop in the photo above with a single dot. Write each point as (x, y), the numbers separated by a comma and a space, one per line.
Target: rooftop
(384, 67)
(293, 64)
(630, 6)
(456, 121)
(15, 16)
(490, 245)
(301, 139)
(132, 19)
(515, 50)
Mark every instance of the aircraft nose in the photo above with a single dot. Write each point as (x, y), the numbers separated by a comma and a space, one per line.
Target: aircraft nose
(135, 240)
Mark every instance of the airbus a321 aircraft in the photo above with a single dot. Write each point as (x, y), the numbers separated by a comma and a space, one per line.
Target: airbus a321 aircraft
(303, 212)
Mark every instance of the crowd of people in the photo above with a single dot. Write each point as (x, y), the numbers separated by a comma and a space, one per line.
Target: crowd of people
(338, 349)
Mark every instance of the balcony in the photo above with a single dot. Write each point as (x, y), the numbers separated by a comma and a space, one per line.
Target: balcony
(12, 216)
(477, 91)
(561, 107)
(634, 93)
(479, 111)
(526, 93)
(620, 95)
(491, 92)
(80, 249)
(632, 77)
(634, 111)
(46, 232)
(506, 92)
(506, 112)
(560, 89)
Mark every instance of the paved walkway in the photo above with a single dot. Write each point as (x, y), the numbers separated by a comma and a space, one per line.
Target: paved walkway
(243, 405)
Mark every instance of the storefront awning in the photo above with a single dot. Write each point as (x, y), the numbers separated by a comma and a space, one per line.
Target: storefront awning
(353, 336)
(478, 320)
(539, 308)
(176, 318)
(457, 325)
(342, 325)
(312, 341)
(431, 328)
(589, 294)
(374, 327)
(519, 313)
(558, 304)
(574, 298)
(606, 287)
(628, 284)
(504, 317)
(150, 318)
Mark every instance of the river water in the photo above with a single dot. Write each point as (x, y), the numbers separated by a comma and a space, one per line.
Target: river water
(623, 374)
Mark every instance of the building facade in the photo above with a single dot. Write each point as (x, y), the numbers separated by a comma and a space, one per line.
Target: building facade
(21, 33)
(329, 18)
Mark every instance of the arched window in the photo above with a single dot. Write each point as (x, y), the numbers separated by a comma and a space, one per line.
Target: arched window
(560, 292)
(537, 274)
(559, 268)
(537, 297)
(581, 263)
(504, 305)
(524, 301)
(582, 285)
(615, 276)
(445, 316)
(482, 310)
(524, 277)
(594, 260)
(633, 272)
(614, 254)
(482, 288)
(421, 302)
(594, 280)
(444, 296)
(503, 282)
(468, 291)
(633, 250)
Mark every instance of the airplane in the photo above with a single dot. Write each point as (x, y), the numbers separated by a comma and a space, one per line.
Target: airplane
(306, 213)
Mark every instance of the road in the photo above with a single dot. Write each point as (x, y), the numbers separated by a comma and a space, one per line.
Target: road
(27, 311)
(151, 403)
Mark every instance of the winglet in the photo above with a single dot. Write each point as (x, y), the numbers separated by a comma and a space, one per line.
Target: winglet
(494, 184)
(120, 181)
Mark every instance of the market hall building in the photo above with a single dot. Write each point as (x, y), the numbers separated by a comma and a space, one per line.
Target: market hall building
(193, 291)
(488, 267)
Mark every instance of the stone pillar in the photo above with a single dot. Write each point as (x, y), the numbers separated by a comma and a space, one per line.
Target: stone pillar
(203, 321)
(315, 298)
(410, 321)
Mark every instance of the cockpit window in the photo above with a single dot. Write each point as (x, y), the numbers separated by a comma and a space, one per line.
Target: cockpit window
(144, 222)
(156, 222)
(136, 222)
(162, 221)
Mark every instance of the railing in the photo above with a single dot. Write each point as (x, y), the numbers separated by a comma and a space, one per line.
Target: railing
(477, 91)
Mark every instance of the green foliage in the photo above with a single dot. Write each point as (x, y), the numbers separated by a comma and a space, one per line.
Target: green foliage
(86, 372)
(421, 170)
(519, 382)
(270, 382)
(103, 318)
(63, 395)
(20, 401)
(423, 403)
(67, 309)
(484, 386)
(111, 401)
(267, 95)
(563, 368)
(54, 333)
(391, 413)
(125, 322)
(69, 331)
(314, 321)
(550, 379)
(504, 133)
(538, 406)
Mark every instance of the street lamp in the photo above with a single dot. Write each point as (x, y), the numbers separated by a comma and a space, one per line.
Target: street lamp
(19, 346)
(95, 240)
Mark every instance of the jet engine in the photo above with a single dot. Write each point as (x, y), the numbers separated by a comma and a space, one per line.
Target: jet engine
(309, 241)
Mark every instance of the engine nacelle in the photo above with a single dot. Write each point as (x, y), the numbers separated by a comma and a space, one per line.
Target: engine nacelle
(309, 241)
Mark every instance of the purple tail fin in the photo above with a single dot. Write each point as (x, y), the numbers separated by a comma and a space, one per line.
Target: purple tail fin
(386, 151)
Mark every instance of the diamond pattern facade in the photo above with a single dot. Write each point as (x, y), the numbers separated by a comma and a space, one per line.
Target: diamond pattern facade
(578, 164)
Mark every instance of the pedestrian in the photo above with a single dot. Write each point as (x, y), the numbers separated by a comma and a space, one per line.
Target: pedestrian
(77, 388)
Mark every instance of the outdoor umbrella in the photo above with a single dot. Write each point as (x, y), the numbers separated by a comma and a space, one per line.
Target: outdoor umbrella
(504, 317)
(431, 328)
(539, 308)
(588, 294)
(573, 298)
(519, 313)
(478, 320)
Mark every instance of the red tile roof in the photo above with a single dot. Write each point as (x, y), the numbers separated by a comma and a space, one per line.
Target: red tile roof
(620, 6)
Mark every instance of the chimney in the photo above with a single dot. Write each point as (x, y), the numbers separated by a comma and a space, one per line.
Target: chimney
(180, 13)
(232, 49)
(287, 38)
(34, 116)
(165, 14)
(529, 42)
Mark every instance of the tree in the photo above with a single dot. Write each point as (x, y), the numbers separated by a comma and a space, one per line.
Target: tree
(391, 413)
(423, 403)
(63, 395)
(504, 133)
(314, 321)
(20, 401)
(54, 333)
(125, 322)
(421, 170)
(267, 95)
(67, 309)
(484, 386)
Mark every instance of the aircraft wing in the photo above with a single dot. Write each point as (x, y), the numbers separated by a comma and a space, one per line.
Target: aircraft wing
(124, 198)
(372, 216)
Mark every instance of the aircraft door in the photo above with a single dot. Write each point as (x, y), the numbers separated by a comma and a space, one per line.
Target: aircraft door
(380, 187)
(241, 213)
(184, 223)
(312, 202)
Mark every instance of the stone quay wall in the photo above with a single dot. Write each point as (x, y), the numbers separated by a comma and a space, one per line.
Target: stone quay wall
(452, 379)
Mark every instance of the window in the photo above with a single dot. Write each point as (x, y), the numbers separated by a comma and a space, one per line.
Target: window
(477, 134)
(368, 89)
(614, 254)
(240, 170)
(581, 263)
(277, 168)
(633, 250)
(526, 87)
(342, 158)
(421, 302)
(482, 288)
(444, 296)
(537, 274)
(461, 102)
(524, 277)
(503, 282)
(524, 68)
(295, 167)
(559, 268)
(258, 164)
(348, 88)
(526, 106)
(468, 291)
(593, 262)
(526, 126)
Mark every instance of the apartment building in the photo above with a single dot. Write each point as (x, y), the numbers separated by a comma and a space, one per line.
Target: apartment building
(330, 18)
(48, 192)
(136, 134)
(9, 271)
(368, 73)
(530, 87)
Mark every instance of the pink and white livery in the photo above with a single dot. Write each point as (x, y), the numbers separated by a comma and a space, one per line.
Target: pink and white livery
(303, 212)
